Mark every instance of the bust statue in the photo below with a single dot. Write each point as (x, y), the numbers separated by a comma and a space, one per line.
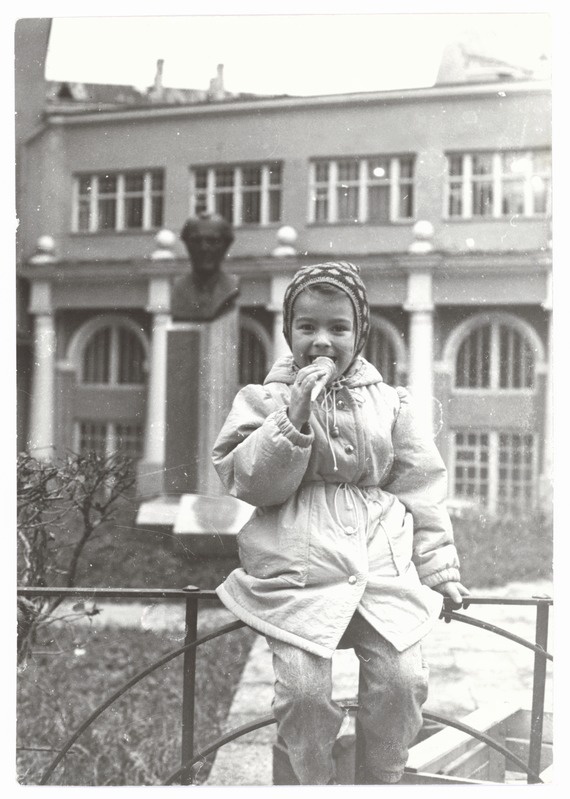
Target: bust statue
(207, 292)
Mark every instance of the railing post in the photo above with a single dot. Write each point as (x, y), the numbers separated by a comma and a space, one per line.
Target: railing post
(538, 687)
(189, 682)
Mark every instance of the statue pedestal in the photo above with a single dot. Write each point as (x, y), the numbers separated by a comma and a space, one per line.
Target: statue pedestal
(201, 382)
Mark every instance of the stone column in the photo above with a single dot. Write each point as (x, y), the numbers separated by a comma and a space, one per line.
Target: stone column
(421, 362)
(278, 285)
(547, 462)
(419, 305)
(41, 430)
(151, 467)
(150, 479)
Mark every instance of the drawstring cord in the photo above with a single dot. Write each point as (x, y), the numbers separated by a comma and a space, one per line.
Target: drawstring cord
(353, 493)
(330, 397)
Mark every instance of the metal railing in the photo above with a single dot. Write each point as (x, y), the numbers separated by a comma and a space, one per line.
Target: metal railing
(192, 596)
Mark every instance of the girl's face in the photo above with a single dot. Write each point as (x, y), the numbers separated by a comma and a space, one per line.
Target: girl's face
(323, 326)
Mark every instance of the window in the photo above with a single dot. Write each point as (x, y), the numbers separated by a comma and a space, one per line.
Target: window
(380, 351)
(255, 349)
(118, 201)
(472, 466)
(497, 185)
(113, 355)
(495, 468)
(248, 194)
(495, 356)
(105, 438)
(352, 190)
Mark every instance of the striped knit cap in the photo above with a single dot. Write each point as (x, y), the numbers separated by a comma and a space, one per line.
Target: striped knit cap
(344, 276)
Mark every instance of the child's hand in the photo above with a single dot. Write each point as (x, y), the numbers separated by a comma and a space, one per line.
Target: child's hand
(300, 405)
(455, 591)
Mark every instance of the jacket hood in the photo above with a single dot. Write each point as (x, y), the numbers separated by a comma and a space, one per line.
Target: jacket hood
(361, 373)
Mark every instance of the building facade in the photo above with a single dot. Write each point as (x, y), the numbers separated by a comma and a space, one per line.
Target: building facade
(440, 194)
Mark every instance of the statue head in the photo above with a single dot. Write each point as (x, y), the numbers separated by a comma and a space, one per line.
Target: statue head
(207, 238)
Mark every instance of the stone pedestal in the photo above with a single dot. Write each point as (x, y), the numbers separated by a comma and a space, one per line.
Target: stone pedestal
(201, 382)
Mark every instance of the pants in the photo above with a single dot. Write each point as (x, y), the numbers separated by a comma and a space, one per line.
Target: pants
(392, 689)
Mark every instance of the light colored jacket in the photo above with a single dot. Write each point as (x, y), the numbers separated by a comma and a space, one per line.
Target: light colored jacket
(372, 533)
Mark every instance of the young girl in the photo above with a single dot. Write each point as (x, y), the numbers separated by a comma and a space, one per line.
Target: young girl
(350, 542)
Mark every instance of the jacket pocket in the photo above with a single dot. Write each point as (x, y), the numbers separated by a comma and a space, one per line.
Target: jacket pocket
(275, 542)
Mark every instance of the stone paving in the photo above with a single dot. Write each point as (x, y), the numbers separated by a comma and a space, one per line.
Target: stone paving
(469, 669)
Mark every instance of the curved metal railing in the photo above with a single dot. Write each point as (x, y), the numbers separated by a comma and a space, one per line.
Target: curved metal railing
(193, 595)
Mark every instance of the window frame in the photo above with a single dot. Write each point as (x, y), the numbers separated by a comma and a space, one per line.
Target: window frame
(205, 192)
(324, 192)
(91, 200)
(460, 187)
(496, 326)
(493, 502)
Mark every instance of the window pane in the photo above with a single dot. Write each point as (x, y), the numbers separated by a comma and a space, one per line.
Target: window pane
(200, 178)
(406, 168)
(378, 169)
(482, 164)
(225, 206)
(130, 358)
(406, 202)
(472, 368)
(252, 358)
(107, 214)
(455, 164)
(321, 205)
(348, 170)
(251, 207)
(380, 351)
(322, 172)
(347, 200)
(251, 176)
(134, 181)
(516, 487)
(379, 203)
(513, 198)
(224, 177)
(471, 479)
(92, 437)
(107, 184)
(157, 206)
(133, 212)
(84, 215)
(455, 207)
(275, 174)
(274, 206)
(157, 180)
(516, 360)
(482, 199)
(129, 439)
(97, 357)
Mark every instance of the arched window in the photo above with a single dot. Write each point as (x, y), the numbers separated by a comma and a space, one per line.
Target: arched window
(113, 355)
(385, 350)
(494, 452)
(254, 350)
(495, 356)
(108, 355)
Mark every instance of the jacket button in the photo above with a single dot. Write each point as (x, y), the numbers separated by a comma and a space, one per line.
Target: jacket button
(340, 404)
(352, 579)
(349, 449)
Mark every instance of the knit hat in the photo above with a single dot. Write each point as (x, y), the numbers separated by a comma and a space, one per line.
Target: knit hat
(344, 276)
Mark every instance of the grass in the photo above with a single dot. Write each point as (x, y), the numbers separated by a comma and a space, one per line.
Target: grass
(137, 741)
